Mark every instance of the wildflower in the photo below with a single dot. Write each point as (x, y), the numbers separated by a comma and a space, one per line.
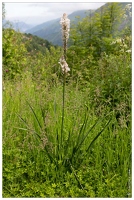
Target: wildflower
(114, 42)
(128, 51)
(128, 6)
(65, 23)
(117, 41)
(64, 65)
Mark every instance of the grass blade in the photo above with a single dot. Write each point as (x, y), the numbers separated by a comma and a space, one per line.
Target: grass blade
(35, 115)
(82, 129)
(77, 147)
(97, 136)
(92, 143)
(28, 129)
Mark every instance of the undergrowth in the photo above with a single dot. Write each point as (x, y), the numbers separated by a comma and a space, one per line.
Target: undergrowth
(105, 170)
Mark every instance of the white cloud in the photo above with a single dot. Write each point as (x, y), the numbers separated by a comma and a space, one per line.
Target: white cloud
(36, 13)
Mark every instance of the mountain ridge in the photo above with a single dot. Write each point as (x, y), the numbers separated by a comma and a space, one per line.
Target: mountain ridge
(50, 30)
(17, 26)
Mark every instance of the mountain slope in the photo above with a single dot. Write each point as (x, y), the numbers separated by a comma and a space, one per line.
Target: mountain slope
(36, 44)
(124, 22)
(51, 30)
(40, 26)
(17, 26)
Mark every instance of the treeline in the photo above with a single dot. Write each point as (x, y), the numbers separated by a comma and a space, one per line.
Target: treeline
(100, 58)
(19, 51)
(36, 43)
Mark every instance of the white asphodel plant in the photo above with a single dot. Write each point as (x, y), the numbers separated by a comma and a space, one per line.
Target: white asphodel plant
(65, 26)
(65, 23)
(64, 65)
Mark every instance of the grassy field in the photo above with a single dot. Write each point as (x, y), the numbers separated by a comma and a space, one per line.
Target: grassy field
(46, 155)
(67, 111)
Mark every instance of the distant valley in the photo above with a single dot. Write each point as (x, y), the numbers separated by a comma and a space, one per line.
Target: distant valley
(18, 26)
(50, 30)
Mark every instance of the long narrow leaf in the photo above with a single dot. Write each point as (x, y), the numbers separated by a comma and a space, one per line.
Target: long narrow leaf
(28, 127)
(97, 136)
(43, 113)
(67, 144)
(82, 129)
(35, 115)
(89, 132)
(92, 143)
(57, 143)
(77, 148)
(22, 119)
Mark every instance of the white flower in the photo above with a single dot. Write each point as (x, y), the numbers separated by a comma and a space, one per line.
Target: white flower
(128, 6)
(125, 16)
(65, 23)
(64, 65)
(128, 51)
(118, 41)
(114, 42)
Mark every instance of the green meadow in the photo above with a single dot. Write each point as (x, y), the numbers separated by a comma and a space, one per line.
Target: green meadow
(68, 134)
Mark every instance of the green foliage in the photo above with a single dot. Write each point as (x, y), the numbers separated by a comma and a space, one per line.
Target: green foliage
(26, 167)
(85, 163)
(14, 53)
(35, 44)
(24, 52)
(97, 32)
(101, 61)
(44, 69)
(57, 147)
(112, 85)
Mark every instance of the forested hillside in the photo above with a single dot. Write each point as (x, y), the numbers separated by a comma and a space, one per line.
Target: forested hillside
(50, 30)
(17, 46)
(67, 109)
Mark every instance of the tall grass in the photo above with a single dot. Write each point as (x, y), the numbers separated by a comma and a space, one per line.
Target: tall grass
(65, 148)
(54, 144)
(31, 121)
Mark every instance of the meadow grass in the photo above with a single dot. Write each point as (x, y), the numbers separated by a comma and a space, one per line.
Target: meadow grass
(32, 117)
(63, 140)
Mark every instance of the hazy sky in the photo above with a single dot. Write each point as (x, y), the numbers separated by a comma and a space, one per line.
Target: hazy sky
(36, 13)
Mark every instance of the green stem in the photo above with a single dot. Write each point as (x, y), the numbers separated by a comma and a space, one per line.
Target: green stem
(63, 106)
(63, 98)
